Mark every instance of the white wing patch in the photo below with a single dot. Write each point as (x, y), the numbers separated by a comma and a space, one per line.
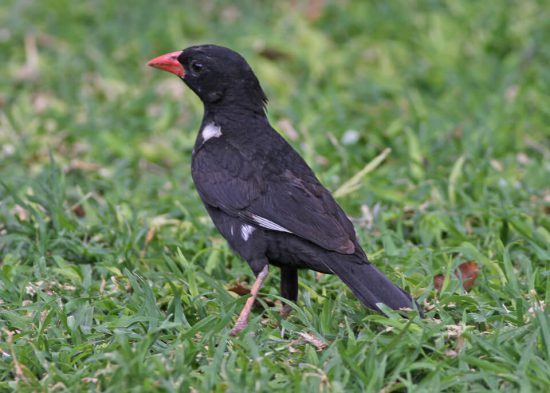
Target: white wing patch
(211, 130)
(264, 222)
(246, 231)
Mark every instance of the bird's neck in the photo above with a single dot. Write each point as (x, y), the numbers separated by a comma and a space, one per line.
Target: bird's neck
(233, 112)
(246, 98)
(238, 125)
(235, 123)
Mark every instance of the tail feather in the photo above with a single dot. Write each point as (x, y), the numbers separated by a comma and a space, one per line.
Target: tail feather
(370, 285)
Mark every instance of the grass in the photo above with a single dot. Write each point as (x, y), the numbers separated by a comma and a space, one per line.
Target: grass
(112, 277)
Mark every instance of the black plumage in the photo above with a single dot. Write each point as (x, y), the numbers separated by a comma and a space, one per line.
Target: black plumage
(261, 195)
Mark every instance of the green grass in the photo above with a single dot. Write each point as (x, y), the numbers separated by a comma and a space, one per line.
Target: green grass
(95, 153)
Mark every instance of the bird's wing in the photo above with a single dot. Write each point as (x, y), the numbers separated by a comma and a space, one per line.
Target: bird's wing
(277, 192)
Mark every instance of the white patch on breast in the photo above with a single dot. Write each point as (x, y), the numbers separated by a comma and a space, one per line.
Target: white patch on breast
(264, 222)
(211, 130)
(246, 231)
(232, 230)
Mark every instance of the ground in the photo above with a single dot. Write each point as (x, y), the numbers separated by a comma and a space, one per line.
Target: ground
(112, 277)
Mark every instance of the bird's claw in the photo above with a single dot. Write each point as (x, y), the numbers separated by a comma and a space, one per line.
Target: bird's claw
(285, 311)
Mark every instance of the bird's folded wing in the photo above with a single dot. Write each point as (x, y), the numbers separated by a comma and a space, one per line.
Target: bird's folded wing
(284, 202)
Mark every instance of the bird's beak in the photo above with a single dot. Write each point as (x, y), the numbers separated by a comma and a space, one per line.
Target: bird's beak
(168, 62)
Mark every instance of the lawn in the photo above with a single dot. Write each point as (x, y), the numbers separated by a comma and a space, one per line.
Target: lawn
(113, 278)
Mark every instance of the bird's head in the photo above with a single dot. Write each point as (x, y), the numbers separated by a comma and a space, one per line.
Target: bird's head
(219, 76)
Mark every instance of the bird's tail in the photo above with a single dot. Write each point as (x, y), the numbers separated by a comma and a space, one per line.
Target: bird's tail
(370, 285)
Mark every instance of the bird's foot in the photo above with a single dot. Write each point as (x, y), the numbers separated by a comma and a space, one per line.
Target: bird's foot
(242, 321)
(239, 325)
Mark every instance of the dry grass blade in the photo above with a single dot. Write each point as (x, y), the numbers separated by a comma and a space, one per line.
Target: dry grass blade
(453, 179)
(18, 367)
(314, 340)
(355, 182)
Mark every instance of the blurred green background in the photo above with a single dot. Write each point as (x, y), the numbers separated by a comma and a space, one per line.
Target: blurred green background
(112, 277)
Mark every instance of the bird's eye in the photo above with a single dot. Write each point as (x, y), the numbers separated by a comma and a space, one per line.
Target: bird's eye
(196, 67)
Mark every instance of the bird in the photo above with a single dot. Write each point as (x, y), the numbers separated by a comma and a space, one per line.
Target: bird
(261, 195)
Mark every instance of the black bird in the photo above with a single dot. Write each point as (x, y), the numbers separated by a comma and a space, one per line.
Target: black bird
(261, 195)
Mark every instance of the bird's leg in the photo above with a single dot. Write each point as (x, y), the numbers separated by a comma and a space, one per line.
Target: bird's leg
(242, 321)
(289, 288)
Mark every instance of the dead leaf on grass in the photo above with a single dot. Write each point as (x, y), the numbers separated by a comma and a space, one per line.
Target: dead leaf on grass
(239, 289)
(467, 272)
